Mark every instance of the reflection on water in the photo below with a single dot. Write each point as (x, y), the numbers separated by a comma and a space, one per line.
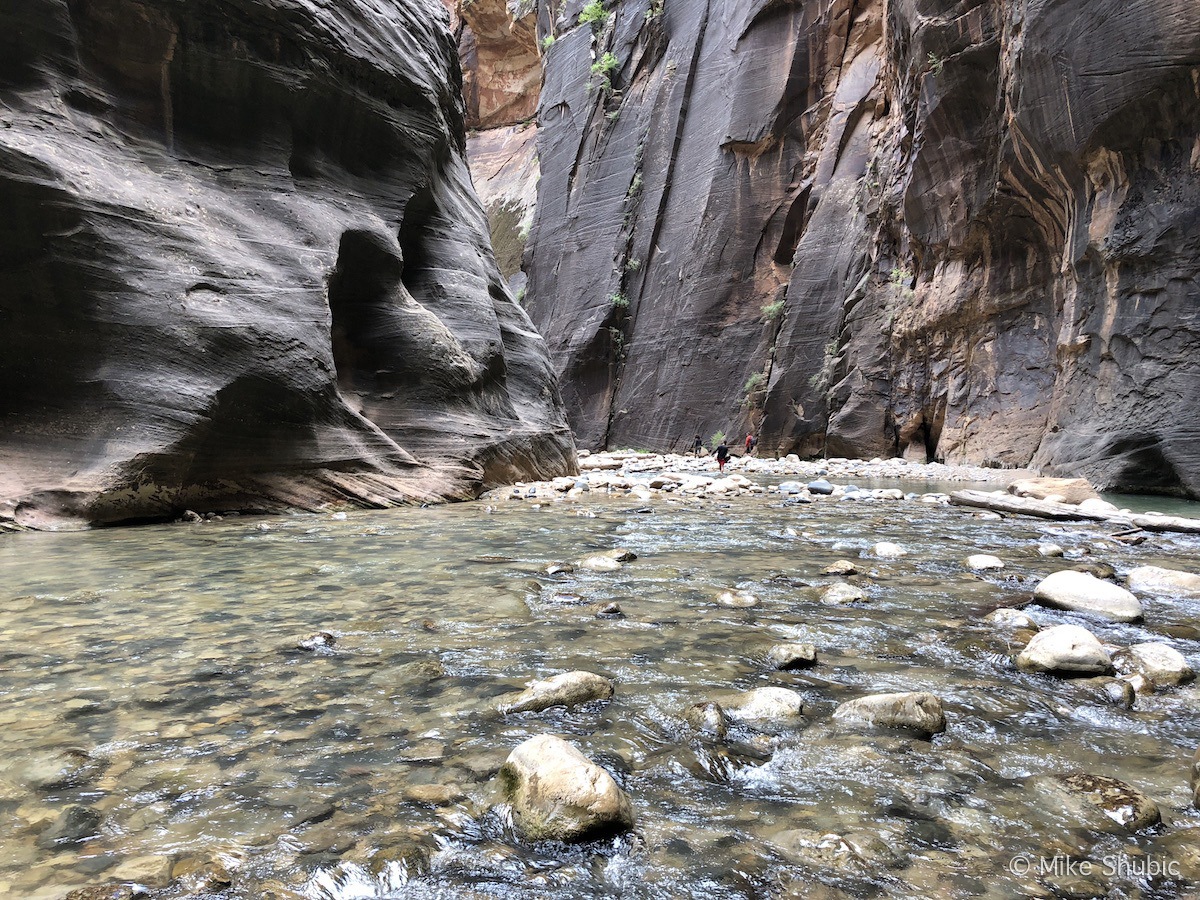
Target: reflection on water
(159, 724)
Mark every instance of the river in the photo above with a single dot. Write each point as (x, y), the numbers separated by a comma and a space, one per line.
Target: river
(160, 725)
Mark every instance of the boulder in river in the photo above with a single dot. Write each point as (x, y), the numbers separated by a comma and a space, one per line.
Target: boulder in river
(915, 711)
(888, 550)
(1157, 580)
(565, 689)
(792, 655)
(737, 599)
(1084, 593)
(73, 825)
(1050, 550)
(558, 794)
(1011, 619)
(1065, 650)
(842, 567)
(707, 718)
(1160, 663)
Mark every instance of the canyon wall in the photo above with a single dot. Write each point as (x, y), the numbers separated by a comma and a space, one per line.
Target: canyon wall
(242, 266)
(948, 229)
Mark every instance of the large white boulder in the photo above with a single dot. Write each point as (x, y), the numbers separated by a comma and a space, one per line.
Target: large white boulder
(1065, 649)
(1081, 592)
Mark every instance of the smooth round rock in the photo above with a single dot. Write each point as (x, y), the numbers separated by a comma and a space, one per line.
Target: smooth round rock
(558, 794)
(1157, 580)
(1050, 550)
(567, 689)
(888, 550)
(910, 711)
(982, 562)
(821, 486)
(841, 593)
(600, 564)
(1084, 593)
(1065, 649)
(792, 656)
(1159, 662)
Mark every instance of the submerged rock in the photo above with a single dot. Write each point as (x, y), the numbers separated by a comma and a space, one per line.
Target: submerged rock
(1160, 663)
(707, 718)
(1081, 592)
(1087, 794)
(321, 640)
(1065, 650)
(792, 656)
(567, 689)
(1157, 580)
(73, 825)
(1011, 619)
(558, 794)
(1050, 550)
(737, 599)
(768, 708)
(600, 564)
(909, 711)
(1114, 691)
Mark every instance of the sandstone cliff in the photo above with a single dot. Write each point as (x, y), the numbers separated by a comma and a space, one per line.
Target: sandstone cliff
(243, 265)
(949, 228)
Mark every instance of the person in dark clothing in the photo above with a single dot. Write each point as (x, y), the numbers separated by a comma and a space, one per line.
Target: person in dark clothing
(722, 456)
(697, 446)
(750, 442)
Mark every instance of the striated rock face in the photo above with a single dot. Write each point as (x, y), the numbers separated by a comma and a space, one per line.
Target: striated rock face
(881, 227)
(244, 266)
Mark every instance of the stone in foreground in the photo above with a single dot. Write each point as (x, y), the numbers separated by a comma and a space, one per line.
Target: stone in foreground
(567, 689)
(1065, 650)
(792, 656)
(558, 794)
(910, 711)
(1084, 593)
(1160, 663)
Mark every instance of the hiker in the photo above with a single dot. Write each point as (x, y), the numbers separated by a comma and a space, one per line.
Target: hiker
(697, 446)
(722, 456)
(750, 442)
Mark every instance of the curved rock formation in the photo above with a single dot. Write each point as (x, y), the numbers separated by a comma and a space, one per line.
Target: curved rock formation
(244, 266)
(938, 228)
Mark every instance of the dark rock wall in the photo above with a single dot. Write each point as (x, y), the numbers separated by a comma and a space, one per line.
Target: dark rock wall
(242, 265)
(943, 228)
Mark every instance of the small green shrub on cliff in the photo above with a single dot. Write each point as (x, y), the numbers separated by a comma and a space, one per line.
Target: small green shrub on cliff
(772, 311)
(754, 382)
(605, 65)
(618, 301)
(547, 42)
(717, 438)
(594, 14)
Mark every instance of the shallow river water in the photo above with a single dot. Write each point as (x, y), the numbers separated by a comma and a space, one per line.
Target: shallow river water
(159, 724)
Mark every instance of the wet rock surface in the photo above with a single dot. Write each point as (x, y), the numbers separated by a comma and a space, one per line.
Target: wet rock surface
(567, 689)
(1085, 593)
(246, 268)
(1065, 650)
(918, 712)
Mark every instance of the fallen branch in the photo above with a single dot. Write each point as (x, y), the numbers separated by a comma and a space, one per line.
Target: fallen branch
(1065, 512)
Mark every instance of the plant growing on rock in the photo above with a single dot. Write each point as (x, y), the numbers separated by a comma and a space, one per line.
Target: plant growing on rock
(754, 383)
(717, 438)
(547, 42)
(594, 14)
(772, 311)
(604, 67)
(618, 301)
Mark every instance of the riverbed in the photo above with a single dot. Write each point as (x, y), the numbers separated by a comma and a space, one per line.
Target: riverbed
(161, 725)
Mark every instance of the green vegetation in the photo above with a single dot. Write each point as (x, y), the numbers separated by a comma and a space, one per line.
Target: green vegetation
(604, 67)
(632, 264)
(772, 311)
(935, 63)
(594, 14)
(656, 10)
(520, 296)
(899, 279)
(717, 438)
(821, 380)
(618, 301)
(547, 42)
(635, 186)
(754, 382)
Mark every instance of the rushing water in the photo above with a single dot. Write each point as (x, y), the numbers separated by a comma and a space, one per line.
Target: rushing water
(157, 712)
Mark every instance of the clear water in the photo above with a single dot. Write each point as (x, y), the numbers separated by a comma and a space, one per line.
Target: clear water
(151, 676)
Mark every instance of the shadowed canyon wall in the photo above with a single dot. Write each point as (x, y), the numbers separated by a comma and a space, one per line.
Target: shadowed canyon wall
(951, 229)
(243, 265)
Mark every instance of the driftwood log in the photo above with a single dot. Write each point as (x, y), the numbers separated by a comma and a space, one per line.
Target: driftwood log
(1048, 509)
